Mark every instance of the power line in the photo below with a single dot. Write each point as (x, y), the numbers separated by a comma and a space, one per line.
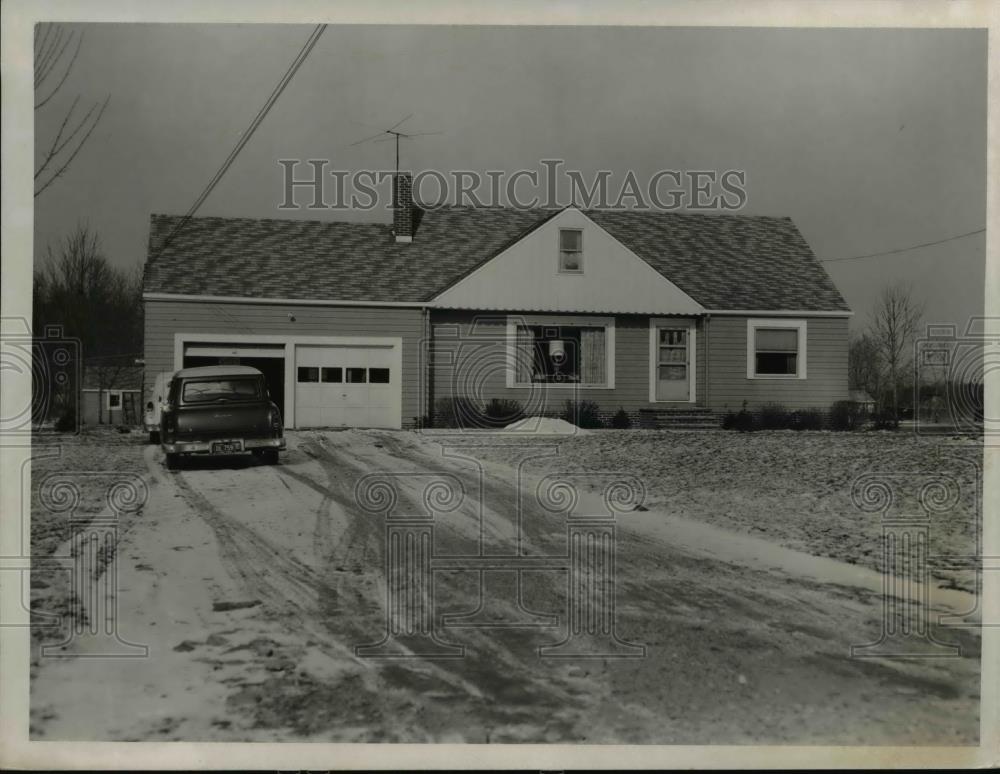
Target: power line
(906, 249)
(245, 138)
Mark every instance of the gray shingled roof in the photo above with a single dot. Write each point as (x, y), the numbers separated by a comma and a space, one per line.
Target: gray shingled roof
(722, 261)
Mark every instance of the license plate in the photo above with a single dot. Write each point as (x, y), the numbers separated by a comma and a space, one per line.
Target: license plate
(227, 447)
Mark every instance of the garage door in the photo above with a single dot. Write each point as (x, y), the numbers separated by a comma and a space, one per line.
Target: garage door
(346, 386)
(269, 359)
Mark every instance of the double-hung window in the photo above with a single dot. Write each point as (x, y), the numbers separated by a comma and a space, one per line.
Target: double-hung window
(570, 251)
(776, 349)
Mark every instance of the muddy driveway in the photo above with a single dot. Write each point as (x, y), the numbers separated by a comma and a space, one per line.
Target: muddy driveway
(254, 586)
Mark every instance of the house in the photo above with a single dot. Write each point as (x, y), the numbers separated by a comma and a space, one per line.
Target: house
(363, 324)
(111, 394)
(862, 399)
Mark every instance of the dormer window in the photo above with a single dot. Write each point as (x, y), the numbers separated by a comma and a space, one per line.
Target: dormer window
(570, 251)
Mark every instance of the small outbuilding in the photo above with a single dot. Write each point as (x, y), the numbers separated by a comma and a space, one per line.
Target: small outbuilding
(111, 395)
(862, 400)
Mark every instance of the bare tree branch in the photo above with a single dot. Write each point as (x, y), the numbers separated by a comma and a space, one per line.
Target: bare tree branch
(894, 326)
(69, 69)
(51, 57)
(55, 142)
(59, 172)
(42, 50)
(57, 146)
(41, 35)
(82, 123)
(864, 366)
(77, 287)
(53, 62)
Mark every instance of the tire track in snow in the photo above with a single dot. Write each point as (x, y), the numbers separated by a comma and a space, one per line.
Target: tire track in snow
(498, 683)
(511, 678)
(287, 586)
(495, 506)
(323, 605)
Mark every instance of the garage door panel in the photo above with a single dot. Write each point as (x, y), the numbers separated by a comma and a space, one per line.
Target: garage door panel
(332, 417)
(344, 395)
(308, 416)
(381, 395)
(355, 395)
(307, 397)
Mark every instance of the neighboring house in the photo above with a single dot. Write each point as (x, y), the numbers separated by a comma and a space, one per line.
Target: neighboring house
(862, 400)
(111, 394)
(360, 324)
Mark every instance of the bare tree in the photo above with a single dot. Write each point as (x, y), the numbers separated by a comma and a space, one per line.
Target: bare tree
(893, 328)
(78, 288)
(864, 365)
(56, 51)
(94, 302)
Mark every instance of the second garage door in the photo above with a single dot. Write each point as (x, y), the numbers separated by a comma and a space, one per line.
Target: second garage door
(346, 386)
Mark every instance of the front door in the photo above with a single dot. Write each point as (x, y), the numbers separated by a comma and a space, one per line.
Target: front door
(673, 364)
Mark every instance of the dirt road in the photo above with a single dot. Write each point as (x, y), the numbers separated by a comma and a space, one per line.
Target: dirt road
(252, 586)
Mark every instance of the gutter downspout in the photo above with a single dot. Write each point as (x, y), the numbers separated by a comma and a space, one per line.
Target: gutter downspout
(708, 318)
(427, 367)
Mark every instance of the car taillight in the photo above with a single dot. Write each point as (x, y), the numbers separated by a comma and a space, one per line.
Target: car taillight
(169, 425)
(274, 420)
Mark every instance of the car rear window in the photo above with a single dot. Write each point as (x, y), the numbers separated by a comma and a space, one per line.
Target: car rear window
(234, 388)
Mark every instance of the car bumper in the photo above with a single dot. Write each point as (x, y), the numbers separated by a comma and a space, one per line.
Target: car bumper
(205, 447)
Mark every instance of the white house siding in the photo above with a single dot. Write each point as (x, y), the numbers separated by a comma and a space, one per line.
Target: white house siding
(721, 353)
(826, 353)
(526, 277)
(720, 366)
(165, 318)
(459, 335)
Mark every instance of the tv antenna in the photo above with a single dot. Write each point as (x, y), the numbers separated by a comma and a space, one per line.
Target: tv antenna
(394, 136)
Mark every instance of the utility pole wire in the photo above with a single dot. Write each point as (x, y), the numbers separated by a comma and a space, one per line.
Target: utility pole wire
(905, 249)
(248, 133)
(268, 104)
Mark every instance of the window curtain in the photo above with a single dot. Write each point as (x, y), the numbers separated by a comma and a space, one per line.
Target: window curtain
(524, 354)
(593, 358)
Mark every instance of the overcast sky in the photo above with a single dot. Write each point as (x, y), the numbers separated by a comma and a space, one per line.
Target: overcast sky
(870, 140)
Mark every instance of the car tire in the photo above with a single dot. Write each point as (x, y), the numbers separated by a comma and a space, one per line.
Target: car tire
(154, 436)
(269, 456)
(173, 461)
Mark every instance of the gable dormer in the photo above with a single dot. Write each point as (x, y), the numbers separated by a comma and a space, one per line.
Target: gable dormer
(568, 264)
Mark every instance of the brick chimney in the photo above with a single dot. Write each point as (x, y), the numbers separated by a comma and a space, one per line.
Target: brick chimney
(402, 206)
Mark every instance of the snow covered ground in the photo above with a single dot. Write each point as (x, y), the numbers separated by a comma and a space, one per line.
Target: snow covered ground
(791, 488)
(252, 585)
